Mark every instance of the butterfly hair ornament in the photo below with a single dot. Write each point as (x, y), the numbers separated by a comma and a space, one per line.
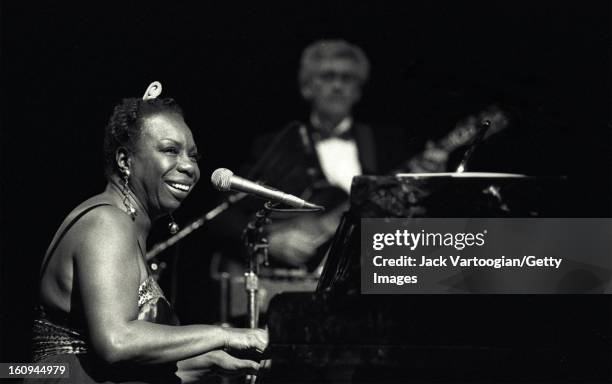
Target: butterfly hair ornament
(153, 91)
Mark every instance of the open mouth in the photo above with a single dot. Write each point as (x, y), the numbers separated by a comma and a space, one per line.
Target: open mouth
(179, 187)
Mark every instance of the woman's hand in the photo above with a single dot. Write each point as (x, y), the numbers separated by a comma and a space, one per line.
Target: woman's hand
(245, 342)
(228, 365)
(214, 363)
(241, 355)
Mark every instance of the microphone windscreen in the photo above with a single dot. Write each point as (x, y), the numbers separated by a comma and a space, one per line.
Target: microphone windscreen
(221, 179)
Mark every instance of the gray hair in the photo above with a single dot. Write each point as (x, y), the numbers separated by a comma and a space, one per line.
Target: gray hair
(332, 49)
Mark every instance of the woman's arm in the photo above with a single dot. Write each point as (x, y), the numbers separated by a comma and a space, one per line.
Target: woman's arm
(107, 277)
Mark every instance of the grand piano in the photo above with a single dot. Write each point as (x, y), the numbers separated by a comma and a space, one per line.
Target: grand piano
(338, 335)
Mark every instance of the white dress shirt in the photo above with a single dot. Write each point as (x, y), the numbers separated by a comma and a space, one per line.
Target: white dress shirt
(339, 157)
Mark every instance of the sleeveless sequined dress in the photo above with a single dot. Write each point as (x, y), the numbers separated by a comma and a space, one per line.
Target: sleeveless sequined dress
(55, 340)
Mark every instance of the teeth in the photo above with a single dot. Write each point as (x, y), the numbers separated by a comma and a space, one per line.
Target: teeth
(182, 187)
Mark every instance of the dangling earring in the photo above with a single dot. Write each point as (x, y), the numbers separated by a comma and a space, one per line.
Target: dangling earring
(173, 226)
(126, 195)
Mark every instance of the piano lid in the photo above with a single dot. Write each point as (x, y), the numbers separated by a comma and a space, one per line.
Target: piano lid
(467, 194)
(441, 195)
(462, 175)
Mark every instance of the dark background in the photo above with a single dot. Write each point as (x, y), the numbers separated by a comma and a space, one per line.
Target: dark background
(233, 69)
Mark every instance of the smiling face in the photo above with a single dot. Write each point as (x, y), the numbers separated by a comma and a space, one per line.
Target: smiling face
(164, 166)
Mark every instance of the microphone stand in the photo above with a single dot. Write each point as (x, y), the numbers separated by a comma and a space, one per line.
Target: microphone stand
(256, 245)
(257, 253)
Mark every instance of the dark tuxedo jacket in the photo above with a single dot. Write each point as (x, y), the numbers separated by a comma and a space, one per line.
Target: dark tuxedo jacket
(288, 160)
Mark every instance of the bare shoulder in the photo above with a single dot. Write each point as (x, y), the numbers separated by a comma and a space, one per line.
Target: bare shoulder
(107, 217)
(106, 231)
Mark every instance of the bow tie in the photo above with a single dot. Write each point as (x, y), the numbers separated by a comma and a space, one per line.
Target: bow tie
(324, 135)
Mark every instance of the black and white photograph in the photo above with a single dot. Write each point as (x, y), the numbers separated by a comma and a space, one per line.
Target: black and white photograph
(306, 192)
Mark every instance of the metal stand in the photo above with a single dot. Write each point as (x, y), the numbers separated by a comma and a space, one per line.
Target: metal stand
(257, 252)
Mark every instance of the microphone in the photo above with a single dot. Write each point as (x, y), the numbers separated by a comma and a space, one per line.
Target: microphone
(224, 180)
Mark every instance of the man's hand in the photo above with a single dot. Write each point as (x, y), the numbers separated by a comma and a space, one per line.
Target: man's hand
(432, 159)
(292, 246)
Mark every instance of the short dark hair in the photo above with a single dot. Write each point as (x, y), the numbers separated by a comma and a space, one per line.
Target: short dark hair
(332, 49)
(125, 126)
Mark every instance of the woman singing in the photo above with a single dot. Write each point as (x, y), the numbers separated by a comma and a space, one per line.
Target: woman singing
(100, 309)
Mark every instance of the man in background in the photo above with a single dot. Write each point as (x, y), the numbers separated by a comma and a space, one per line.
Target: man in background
(315, 159)
(318, 158)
